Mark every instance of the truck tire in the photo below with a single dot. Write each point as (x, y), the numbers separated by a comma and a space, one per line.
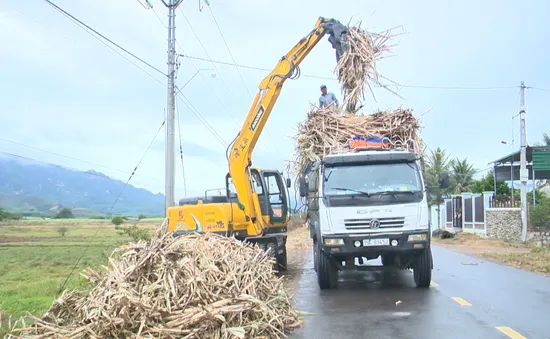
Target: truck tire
(315, 257)
(327, 273)
(282, 260)
(422, 269)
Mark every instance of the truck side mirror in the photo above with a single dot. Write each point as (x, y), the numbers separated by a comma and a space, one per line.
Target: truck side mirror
(444, 181)
(288, 182)
(303, 187)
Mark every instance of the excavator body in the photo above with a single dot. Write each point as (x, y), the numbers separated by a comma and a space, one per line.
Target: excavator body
(255, 205)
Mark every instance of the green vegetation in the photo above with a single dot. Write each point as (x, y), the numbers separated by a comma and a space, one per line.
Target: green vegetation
(537, 260)
(462, 178)
(117, 220)
(65, 213)
(37, 258)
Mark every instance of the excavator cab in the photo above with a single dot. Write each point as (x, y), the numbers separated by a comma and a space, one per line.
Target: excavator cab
(272, 192)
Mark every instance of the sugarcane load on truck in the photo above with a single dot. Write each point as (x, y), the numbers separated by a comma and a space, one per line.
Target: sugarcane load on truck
(366, 197)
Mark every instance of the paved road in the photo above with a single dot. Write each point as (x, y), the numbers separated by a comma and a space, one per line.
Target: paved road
(470, 298)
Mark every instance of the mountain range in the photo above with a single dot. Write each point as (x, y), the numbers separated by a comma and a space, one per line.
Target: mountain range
(34, 188)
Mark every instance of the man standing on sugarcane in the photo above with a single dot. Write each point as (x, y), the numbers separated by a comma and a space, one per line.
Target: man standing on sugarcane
(326, 99)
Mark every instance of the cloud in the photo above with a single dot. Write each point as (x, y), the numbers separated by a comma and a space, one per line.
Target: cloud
(66, 92)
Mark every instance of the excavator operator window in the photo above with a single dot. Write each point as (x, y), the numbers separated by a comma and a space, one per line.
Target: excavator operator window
(258, 187)
(277, 196)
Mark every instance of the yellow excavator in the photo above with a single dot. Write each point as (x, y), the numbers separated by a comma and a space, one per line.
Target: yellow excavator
(255, 206)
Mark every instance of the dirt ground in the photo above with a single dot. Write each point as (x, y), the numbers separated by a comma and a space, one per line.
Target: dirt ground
(474, 244)
(298, 252)
(523, 256)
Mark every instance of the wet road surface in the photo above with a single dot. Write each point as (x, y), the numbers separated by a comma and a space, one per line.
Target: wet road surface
(470, 298)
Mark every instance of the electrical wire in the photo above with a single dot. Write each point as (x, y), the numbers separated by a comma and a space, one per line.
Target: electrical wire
(181, 150)
(222, 78)
(110, 209)
(67, 14)
(242, 78)
(201, 118)
(478, 88)
(539, 89)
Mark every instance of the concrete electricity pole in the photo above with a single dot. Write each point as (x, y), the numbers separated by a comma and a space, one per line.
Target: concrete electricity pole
(523, 173)
(170, 167)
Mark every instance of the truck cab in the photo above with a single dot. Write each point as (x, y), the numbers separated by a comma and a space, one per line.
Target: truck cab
(368, 204)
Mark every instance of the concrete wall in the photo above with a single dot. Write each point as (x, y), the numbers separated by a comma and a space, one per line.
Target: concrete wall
(504, 223)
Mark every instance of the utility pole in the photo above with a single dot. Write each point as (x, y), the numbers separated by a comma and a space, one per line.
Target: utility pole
(170, 167)
(523, 173)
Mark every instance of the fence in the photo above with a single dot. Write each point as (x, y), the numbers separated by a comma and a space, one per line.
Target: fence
(465, 212)
(504, 201)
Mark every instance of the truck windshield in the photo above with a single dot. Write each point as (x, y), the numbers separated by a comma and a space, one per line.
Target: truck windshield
(372, 179)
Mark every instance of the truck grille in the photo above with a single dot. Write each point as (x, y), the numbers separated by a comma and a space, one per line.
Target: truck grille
(359, 224)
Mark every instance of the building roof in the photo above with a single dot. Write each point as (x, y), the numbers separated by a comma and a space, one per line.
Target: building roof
(537, 157)
(515, 157)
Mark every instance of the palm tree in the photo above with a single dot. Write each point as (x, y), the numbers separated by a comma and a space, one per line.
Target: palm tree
(462, 175)
(546, 138)
(436, 162)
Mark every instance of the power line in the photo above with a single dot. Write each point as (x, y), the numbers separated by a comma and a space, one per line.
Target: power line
(62, 155)
(241, 76)
(478, 88)
(67, 14)
(205, 123)
(112, 206)
(538, 89)
(201, 118)
(222, 78)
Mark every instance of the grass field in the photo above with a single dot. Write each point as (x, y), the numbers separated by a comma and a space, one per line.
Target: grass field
(36, 259)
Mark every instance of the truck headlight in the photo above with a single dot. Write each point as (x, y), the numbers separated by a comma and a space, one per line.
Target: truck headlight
(334, 242)
(417, 237)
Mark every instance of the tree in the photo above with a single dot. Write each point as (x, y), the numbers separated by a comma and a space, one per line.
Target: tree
(436, 162)
(462, 175)
(487, 183)
(117, 220)
(65, 213)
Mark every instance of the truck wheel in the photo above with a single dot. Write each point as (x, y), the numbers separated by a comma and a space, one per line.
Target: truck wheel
(423, 269)
(315, 261)
(282, 260)
(327, 273)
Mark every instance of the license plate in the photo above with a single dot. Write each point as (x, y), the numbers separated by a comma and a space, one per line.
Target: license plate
(376, 242)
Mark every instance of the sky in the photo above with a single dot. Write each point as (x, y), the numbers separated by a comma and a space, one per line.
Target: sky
(72, 99)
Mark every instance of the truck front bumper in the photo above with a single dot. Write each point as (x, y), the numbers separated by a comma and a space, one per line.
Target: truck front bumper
(377, 243)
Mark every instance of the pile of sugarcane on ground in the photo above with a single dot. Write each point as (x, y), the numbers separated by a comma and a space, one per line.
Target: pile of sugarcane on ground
(329, 129)
(193, 286)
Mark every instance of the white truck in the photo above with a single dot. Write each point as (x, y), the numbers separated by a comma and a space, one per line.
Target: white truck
(366, 203)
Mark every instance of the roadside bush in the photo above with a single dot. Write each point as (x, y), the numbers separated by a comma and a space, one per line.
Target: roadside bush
(135, 233)
(540, 216)
(62, 230)
(117, 220)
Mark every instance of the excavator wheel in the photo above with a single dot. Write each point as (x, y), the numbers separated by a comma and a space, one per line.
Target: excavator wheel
(282, 260)
(272, 247)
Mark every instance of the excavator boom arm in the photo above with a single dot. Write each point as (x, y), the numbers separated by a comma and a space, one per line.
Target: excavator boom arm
(269, 89)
